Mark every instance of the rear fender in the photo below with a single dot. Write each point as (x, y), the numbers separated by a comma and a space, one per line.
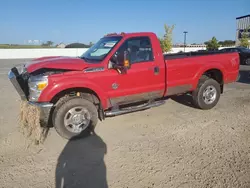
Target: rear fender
(204, 69)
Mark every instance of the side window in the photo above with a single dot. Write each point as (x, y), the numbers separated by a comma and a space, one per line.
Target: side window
(139, 48)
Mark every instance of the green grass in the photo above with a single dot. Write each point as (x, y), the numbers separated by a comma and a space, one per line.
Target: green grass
(17, 46)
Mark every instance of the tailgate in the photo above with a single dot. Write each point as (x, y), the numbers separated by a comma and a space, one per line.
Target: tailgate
(232, 67)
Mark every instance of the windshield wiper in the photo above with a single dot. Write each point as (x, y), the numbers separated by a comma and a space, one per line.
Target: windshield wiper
(84, 58)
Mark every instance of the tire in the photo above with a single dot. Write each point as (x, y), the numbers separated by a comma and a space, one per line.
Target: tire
(66, 110)
(198, 99)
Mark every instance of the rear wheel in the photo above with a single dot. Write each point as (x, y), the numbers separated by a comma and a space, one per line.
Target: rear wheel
(75, 117)
(207, 94)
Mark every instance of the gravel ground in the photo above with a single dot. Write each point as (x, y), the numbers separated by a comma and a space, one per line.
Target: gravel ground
(173, 145)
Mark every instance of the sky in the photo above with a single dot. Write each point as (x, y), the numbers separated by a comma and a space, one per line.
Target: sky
(86, 21)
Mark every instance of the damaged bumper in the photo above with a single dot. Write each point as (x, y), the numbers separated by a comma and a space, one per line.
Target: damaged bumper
(20, 84)
(45, 109)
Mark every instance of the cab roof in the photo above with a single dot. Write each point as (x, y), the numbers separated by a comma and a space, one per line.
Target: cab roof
(134, 34)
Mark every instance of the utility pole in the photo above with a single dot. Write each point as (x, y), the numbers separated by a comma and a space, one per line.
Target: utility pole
(185, 33)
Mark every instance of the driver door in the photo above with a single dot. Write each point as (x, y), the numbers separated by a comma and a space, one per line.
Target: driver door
(144, 80)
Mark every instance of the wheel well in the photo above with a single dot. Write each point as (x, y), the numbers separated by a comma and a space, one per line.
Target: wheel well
(80, 92)
(83, 92)
(217, 75)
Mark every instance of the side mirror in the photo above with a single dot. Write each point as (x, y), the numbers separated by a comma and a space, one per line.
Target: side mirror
(114, 58)
(126, 62)
(121, 62)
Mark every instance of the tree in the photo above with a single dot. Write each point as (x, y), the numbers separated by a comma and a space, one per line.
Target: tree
(166, 41)
(48, 43)
(161, 42)
(244, 41)
(212, 44)
(206, 43)
(227, 43)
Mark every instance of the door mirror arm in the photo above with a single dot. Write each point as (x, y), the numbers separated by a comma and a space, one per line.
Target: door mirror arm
(120, 69)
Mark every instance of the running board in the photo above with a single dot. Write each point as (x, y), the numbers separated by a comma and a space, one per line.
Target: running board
(134, 108)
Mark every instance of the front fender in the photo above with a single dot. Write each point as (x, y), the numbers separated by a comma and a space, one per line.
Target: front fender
(58, 86)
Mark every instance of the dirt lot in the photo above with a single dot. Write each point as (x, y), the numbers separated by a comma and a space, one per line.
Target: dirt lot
(173, 145)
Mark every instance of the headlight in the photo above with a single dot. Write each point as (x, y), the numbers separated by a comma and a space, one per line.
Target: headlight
(36, 85)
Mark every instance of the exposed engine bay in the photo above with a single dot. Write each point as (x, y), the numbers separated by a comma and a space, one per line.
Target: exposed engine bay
(26, 80)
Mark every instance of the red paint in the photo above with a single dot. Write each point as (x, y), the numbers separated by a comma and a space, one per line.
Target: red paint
(57, 62)
(139, 78)
(189, 70)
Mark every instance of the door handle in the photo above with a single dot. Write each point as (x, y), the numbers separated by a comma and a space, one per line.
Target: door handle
(156, 70)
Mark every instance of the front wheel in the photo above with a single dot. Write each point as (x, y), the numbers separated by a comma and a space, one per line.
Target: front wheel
(207, 94)
(74, 118)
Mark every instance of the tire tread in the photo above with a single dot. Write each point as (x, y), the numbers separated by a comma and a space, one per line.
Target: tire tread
(196, 94)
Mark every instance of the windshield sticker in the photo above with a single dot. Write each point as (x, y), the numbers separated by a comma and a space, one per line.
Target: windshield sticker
(109, 44)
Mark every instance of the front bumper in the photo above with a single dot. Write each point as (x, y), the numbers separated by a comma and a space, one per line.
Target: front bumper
(45, 110)
(19, 84)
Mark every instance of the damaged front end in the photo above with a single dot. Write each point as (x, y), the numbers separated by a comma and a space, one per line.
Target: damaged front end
(29, 87)
(30, 80)
(19, 78)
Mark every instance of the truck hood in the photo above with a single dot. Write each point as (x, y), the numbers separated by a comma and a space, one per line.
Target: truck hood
(57, 62)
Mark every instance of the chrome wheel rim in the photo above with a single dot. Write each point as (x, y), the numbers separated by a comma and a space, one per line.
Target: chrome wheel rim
(77, 119)
(209, 94)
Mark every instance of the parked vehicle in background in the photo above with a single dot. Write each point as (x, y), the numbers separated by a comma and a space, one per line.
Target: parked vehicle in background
(201, 50)
(243, 52)
(121, 73)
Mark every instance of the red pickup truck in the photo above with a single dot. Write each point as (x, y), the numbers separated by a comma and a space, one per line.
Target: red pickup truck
(121, 73)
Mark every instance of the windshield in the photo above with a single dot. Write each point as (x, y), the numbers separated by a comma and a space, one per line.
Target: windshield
(100, 50)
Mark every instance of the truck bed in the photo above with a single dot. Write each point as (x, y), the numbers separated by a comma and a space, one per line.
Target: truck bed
(183, 70)
(191, 54)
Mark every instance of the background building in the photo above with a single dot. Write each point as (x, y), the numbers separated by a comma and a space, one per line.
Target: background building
(61, 45)
(242, 23)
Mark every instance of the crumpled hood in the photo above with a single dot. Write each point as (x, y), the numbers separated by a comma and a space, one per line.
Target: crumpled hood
(57, 62)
